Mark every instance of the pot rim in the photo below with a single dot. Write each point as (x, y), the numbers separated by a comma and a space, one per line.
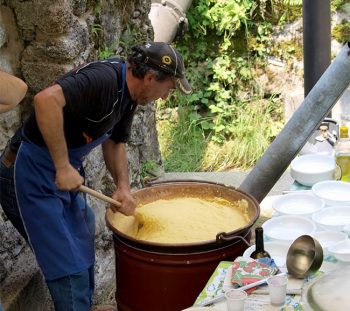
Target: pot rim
(222, 238)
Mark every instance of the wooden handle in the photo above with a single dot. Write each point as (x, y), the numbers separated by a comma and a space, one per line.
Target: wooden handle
(100, 196)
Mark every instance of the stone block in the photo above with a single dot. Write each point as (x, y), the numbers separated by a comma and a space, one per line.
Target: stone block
(40, 75)
(70, 46)
(54, 17)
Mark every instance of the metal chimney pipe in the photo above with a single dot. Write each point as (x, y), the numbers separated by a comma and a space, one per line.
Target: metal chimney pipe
(167, 16)
(300, 127)
(316, 40)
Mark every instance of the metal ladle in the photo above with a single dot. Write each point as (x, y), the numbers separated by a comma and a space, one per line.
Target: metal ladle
(304, 257)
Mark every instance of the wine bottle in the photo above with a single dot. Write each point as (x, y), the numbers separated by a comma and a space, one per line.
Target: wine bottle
(259, 245)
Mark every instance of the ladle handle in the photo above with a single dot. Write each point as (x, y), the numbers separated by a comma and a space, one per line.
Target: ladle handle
(100, 196)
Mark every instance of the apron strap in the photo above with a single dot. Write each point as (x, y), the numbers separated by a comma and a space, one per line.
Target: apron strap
(123, 82)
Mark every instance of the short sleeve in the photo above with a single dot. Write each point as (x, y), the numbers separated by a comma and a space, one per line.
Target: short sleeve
(122, 130)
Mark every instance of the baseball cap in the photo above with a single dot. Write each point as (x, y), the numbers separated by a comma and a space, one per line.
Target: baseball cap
(163, 57)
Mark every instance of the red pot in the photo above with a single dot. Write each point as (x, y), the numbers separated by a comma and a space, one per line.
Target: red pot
(169, 277)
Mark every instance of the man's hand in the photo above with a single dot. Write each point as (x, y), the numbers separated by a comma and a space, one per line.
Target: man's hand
(127, 200)
(68, 178)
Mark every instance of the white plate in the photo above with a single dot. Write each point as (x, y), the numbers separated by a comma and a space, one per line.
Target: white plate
(329, 238)
(301, 204)
(341, 251)
(277, 250)
(332, 218)
(333, 192)
(288, 228)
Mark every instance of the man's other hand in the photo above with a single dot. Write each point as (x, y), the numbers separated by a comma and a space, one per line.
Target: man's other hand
(127, 200)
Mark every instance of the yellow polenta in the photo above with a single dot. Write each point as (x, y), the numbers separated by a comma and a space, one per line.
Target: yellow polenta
(183, 220)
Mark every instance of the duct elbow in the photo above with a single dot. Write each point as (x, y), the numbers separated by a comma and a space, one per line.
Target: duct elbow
(168, 19)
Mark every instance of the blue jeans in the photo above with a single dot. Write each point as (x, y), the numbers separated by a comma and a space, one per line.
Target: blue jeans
(73, 292)
(8, 199)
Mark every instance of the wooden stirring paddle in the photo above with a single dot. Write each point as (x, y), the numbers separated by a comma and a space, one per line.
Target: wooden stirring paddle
(115, 205)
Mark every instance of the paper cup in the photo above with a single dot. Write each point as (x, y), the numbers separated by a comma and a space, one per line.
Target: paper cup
(235, 299)
(277, 289)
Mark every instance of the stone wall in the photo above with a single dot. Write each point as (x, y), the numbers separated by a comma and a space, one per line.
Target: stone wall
(39, 40)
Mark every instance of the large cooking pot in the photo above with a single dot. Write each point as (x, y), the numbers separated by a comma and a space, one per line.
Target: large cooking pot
(169, 277)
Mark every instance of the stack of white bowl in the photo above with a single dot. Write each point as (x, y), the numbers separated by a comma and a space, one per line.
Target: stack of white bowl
(323, 212)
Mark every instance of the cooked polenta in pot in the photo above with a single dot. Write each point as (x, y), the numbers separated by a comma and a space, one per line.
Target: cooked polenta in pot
(183, 220)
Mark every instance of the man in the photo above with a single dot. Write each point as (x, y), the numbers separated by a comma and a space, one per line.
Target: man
(91, 105)
(12, 91)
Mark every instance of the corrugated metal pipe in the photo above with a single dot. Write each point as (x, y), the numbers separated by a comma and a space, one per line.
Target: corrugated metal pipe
(300, 127)
(168, 18)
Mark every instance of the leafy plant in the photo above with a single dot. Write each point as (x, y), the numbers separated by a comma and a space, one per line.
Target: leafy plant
(341, 32)
(106, 52)
(150, 169)
(293, 2)
(228, 41)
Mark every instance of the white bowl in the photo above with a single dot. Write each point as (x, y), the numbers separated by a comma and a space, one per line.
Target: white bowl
(287, 228)
(312, 168)
(277, 250)
(332, 218)
(341, 250)
(333, 192)
(298, 204)
(329, 238)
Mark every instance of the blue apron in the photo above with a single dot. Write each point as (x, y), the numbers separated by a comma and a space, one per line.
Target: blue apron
(60, 225)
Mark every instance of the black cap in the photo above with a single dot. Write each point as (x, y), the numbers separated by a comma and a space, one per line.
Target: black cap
(163, 57)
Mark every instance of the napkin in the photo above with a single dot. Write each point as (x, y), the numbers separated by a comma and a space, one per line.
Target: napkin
(248, 270)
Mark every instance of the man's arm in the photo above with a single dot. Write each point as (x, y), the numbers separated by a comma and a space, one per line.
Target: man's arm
(48, 106)
(12, 91)
(117, 164)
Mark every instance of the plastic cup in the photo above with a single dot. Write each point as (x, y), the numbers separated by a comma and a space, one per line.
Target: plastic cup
(235, 299)
(277, 289)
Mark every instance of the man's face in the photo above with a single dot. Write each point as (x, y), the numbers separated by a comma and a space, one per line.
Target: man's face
(151, 89)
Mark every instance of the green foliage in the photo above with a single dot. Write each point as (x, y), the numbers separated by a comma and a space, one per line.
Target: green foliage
(338, 4)
(106, 52)
(228, 118)
(96, 29)
(181, 138)
(150, 169)
(293, 2)
(341, 32)
(227, 42)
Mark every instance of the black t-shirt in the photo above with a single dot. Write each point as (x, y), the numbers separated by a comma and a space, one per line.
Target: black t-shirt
(94, 105)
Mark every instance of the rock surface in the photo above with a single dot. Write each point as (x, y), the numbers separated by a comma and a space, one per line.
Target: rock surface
(39, 40)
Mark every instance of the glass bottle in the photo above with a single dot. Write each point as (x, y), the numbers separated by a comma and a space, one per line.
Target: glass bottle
(342, 153)
(259, 245)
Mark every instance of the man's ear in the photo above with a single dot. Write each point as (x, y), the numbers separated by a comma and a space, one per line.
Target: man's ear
(149, 76)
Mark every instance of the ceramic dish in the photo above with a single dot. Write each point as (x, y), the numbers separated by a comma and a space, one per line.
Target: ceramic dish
(341, 251)
(333, 192)
(299, 204)
(329, 292)
(277, 250)
(287, 228)
(312, 168)
(328, 238)
(332, 218)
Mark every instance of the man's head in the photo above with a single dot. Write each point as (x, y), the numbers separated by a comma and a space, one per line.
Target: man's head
(161, 68)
